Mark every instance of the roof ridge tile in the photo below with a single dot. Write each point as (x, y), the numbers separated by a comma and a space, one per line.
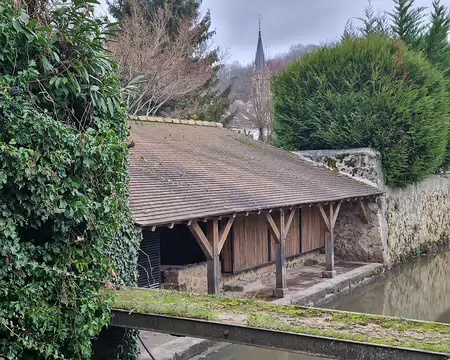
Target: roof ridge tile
(169, 120)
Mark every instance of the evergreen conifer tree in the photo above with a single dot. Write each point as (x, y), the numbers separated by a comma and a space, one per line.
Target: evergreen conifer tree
(408, 23)
(209, 103)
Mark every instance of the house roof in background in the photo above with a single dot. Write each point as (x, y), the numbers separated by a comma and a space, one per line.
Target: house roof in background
(244, 115)
(181, 172)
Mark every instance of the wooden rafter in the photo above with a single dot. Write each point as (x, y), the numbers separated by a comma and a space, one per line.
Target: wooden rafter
(273, 227)
(363, 210)
(201, 239)
(330, 220)
(336, 213)
(325, 217)
(224, 233)
(289, 222)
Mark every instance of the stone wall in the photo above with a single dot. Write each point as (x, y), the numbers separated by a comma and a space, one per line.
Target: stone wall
(356, 240)
(193, 278)
(418, 217)
(403, 222)
(362, 164)
(190, 278)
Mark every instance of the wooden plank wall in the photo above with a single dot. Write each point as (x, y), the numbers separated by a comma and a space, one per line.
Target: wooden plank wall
(292, 238)
(313, 229)
(226, 257)
(248, 242)
(251, 241)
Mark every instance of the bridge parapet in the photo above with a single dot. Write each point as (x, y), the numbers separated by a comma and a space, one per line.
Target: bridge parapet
(331, 333)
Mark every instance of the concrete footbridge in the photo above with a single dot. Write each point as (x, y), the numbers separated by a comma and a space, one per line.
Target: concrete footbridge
(329, 333)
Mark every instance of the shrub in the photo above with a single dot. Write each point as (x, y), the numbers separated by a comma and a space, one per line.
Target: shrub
(64, 218)
(370, 92)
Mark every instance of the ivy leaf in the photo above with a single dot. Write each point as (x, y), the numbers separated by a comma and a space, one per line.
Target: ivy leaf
(32, 23)
(24, 18)
(43, 29)
(16, 25)
(46, 64)
(110, 106)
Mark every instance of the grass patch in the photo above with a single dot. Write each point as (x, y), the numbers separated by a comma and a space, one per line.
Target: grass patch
(374, 329)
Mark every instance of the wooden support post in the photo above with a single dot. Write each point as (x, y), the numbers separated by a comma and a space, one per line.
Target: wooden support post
(279, 234)
(329, 272)
(201, 238)
(224, 233)
(281, 286)
(210, 245)
(213, 264)
(330, 222)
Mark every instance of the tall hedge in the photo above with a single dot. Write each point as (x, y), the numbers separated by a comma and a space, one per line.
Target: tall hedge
(66, 233)
(370, 92)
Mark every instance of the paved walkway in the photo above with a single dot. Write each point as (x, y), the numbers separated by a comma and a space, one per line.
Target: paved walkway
(300, 279)
(167, 347)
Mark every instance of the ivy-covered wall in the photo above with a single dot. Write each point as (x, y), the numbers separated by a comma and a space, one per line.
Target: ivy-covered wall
(66, 232)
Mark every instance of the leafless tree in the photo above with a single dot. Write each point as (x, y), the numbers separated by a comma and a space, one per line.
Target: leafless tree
(170, 67)
(262, 104)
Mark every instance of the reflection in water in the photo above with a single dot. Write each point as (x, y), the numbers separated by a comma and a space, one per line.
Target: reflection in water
(251, 353)
(420, 290)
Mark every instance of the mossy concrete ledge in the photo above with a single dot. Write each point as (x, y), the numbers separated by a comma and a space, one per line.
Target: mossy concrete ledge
(336, 334)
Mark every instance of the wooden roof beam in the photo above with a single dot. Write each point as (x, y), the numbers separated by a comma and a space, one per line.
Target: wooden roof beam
(224, 233)
(336, 213)
(289, 222)
(363, 211)
(330, 220)
(273, 227)
(325, 217)
(201, 239)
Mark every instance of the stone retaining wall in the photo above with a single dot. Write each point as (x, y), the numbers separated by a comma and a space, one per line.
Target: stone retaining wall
(193, 278)
(361, 164)
(403, 222)
(356, 240)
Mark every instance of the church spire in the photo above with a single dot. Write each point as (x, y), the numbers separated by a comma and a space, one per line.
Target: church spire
(260, 59)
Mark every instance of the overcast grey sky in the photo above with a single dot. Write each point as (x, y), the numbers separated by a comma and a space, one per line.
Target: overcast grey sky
(284, 22)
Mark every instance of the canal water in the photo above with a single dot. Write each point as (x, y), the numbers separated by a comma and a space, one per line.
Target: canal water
(419, 290)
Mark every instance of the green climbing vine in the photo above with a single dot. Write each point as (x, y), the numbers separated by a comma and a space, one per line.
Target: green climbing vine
(66, 233)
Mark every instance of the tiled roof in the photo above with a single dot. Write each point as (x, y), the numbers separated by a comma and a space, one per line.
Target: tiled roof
(244, 115)
(181, 172)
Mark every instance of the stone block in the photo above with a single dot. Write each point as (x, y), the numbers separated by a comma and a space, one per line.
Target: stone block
(329, 274)
(280, 293)
(243, 285)
(311, 262)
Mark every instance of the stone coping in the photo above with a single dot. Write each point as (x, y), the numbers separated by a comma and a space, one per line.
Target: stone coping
(182, 348)
(331, 287)
(167, 120)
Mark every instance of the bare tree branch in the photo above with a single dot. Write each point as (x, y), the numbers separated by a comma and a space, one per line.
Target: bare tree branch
(262, 103)
(172, 66)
